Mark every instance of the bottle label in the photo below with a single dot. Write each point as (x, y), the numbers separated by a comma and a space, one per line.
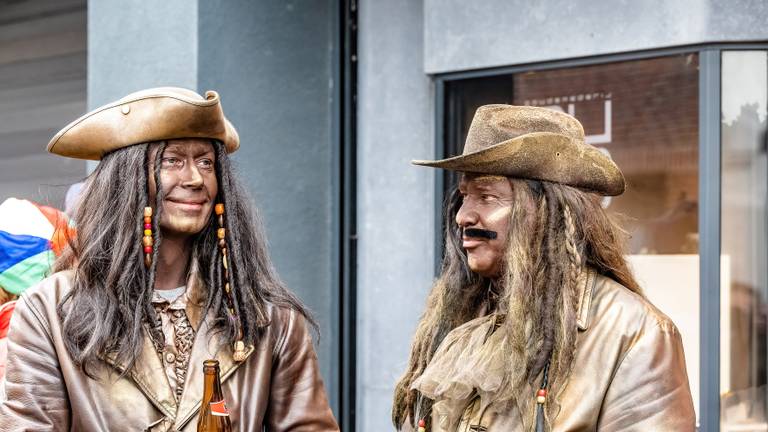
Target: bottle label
(219, 409)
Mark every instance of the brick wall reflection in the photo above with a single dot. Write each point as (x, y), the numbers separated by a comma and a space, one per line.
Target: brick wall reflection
(645, 114)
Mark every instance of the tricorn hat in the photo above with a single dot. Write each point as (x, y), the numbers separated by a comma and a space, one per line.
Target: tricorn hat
(154, 114)
(533, 143)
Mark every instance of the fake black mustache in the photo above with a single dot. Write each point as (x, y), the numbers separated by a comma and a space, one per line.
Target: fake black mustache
(481, 233)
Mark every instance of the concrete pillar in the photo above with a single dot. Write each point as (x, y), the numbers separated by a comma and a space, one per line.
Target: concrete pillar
(395, 199)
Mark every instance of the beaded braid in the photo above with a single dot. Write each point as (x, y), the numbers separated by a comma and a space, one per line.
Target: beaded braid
(239, 345)
(158, 337)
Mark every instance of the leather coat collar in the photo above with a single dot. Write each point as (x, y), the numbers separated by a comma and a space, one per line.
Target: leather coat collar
(587, 281)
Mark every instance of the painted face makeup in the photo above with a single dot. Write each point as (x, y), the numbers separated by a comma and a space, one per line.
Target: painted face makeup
(484, 219)
(188, 177)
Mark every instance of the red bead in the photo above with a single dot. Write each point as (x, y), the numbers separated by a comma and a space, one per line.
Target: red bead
(422, 423)
(147, 226)
(542, 392)
(147, 249)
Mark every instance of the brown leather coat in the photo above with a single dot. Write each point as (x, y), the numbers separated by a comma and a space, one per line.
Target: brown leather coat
(629, 372)
(277, 387)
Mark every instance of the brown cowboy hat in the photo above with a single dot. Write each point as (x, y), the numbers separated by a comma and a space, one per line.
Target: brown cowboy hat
(154, 114)
(533, 143)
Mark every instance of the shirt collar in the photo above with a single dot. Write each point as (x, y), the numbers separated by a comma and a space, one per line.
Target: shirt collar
(193, 299)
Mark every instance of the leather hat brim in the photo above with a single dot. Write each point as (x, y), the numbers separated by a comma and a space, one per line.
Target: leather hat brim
(145, 118)
(542, 156)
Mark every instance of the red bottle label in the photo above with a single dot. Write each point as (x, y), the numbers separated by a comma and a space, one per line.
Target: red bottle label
(219, 408)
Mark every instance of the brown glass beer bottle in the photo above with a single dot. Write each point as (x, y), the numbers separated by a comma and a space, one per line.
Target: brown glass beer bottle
(214, 415)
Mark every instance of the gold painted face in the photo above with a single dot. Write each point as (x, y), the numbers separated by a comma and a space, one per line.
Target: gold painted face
(188, 178)
(487, 206)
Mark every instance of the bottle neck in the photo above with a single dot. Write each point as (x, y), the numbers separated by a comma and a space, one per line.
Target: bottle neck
(211, 384)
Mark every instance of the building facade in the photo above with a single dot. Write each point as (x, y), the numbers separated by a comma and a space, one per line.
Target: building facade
(333, 99)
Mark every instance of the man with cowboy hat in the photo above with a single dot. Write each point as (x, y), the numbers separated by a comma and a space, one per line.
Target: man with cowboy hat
(536, 321)
(169, 268)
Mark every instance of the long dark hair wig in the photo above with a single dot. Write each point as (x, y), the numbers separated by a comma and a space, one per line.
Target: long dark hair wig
(110, 301)
(554, 232)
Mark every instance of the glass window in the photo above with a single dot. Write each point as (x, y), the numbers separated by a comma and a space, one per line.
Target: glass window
(645, 115)
(743, 240)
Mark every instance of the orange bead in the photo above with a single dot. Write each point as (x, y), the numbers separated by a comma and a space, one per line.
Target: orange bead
(147, 241)
(219, 209)
(221, 232)
(147, 211)
(147, 219)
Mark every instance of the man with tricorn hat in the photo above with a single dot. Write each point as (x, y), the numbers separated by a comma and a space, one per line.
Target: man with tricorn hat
(169, 268)
(536, 322)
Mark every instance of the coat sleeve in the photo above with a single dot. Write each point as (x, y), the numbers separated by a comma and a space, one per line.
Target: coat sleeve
(649, 391)
(34, 397)
(297, 400)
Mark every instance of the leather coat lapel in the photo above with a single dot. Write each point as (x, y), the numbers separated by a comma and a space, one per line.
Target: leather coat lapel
(149, 375)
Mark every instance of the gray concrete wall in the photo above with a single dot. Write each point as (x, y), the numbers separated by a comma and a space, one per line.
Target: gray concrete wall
(134, 45)
(395, 199)
(272, 64)
(463, 35)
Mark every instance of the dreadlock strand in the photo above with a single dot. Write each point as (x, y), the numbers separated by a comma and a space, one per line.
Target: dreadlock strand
(552, 284)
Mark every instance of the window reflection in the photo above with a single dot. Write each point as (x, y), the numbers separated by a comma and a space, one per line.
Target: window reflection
(744, 238)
